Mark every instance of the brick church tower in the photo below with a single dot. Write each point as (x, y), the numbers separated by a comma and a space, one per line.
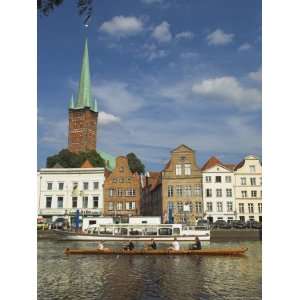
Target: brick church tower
(83, 114)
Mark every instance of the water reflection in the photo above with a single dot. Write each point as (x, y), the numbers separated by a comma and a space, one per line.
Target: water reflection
(147, 277)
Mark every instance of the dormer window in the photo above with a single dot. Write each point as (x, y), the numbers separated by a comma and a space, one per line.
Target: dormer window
(178, 170)
(252, 168)
(187, 169)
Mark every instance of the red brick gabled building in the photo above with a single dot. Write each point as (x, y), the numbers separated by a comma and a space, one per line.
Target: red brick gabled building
(122, 191)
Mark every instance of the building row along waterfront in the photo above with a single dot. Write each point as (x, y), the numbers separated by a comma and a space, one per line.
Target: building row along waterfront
(185, 193)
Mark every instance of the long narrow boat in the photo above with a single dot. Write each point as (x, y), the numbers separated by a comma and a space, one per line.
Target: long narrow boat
(205, 251)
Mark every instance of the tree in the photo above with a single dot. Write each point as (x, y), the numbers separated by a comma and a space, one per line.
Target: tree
(85, 7)
(135, 163)
(69, 159)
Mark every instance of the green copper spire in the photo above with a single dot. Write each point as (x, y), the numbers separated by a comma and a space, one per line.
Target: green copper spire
(84, 97)
(71, 105)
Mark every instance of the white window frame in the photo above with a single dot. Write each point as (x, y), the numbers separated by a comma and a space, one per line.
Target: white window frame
(218, 193)
(229, 205)
(187, 169)
(178, 170)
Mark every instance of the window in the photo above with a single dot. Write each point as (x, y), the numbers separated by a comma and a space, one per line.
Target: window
(252, 168)
(209, 206)
(228, 179)
(188, 190)
(119, 206)
(219, 206)
(179, 207)
(60, 202)
(208, 192)
(85, 185)
(253, 181)
(127, 205)
(114, 180)
(95, 201)
(187, 169)
(129, 179)
(244, 194)
(178, 169)
(253, 194)
(229, 206)
(74, 202)
(198, 206)
(133, 193)
(96, 185)
(260, 208)
(228, 192)
(218, 179)
(121, 169)
(49, 186)
(250, 208)
(197, 191)
(208, 178)
(241, 208)
(48, 202)
(60, 186)
(132, 205)
(110, 206)
(179, 190)
(243, 181)
(170, 191)
(251, 218)
(219, 192)
(260, 180)
(111, 192)
(85, 202)
(121, 179)
(119, 192)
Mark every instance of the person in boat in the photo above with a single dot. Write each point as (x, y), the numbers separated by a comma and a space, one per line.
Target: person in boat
(197, 245)
(175, 245)
(101, 246)
(130, 246)
(152, 246)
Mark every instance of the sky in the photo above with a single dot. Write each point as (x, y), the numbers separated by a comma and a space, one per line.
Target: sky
(164, 73)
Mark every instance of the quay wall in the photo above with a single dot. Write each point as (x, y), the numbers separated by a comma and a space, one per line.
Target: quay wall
(232, 234)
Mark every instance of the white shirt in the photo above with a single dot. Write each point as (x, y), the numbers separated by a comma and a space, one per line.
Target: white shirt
(100, 246)
(175, 245)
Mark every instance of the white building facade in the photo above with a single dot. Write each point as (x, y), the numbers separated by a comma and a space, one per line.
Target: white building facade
(218, 191)
(63, 191)
(248, 189)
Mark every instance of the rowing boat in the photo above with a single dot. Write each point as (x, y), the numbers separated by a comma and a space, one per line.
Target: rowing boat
(205, 251)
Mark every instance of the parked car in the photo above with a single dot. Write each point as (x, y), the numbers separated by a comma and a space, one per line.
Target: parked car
(42, 226)
(225, 225)
(239, 224)
(59, 223)
(219, 223)
(254, 224)
(203, 224)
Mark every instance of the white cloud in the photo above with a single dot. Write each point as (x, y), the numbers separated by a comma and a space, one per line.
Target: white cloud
(106, 118)
(257, 76)
(228, 88)
(151, 52)
(121, 26)
(116, 97)
(219, 37)
(184, 35)
(189, 55)
(162, 32)
(245, 47)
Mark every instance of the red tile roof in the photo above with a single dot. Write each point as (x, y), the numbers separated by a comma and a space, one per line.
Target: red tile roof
(212, 161)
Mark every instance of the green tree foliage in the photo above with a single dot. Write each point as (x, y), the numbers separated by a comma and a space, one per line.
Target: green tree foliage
(85, 7)
(69, 159)
(135, 163)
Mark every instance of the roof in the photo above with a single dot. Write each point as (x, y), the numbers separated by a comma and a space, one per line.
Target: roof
(167, 165)
(212, 161)
(229, 166)
(184, 146)
(87, 164)
(239, 165)
(110, 161)
(154, 180)
(84, 96)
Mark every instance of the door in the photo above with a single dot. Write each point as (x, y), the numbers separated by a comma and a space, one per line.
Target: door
(210, 219)
(242, 218)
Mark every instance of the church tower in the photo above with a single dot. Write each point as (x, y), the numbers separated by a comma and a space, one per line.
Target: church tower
(83, 114)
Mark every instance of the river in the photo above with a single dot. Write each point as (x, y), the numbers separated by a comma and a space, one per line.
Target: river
(147, 277)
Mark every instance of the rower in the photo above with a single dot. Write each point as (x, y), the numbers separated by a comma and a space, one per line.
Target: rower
(153, 245)
(197, 245)
(130, 246)
(100, 246)
(175, 245)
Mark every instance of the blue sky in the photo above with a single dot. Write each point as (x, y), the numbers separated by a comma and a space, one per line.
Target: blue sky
(164, 72)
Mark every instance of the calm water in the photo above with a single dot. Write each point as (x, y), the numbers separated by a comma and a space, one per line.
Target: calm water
(147, 277)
